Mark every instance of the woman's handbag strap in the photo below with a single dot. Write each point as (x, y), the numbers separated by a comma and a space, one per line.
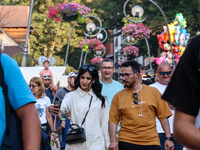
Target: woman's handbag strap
(87, 111)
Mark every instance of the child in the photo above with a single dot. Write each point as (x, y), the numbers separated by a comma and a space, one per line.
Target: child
(46, 71)
(62, 128)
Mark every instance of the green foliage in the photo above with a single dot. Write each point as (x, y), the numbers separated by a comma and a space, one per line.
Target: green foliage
(18, 58)
(50, 38)
(70, 69)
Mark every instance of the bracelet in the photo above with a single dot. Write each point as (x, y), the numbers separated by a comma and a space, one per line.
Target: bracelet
(169, 138)
(53, 131)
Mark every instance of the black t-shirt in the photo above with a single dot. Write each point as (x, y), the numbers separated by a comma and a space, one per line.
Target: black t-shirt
(183, 91)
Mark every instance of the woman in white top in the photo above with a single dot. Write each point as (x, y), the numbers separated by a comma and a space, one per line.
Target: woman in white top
(37, 87)
(77, 103)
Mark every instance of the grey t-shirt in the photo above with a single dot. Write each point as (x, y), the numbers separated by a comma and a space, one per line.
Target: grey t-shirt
(61, 93)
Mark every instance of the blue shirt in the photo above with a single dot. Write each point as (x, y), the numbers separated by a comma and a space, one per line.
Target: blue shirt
(49, 94)
(18, 91)
(110, 89)
(64, 130)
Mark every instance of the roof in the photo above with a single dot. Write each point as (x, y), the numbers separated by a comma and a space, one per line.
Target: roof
(12, 50)
(14, 16)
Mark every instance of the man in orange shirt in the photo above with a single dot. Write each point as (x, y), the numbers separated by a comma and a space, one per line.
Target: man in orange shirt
(136, 107)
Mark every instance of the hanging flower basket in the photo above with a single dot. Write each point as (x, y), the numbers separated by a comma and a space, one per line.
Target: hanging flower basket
(96, 60)
(67, 10)
(69, 18)
(131, 50)
(136, 31)
(94, 44)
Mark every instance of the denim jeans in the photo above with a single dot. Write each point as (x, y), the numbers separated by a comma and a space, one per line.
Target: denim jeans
(177, 146)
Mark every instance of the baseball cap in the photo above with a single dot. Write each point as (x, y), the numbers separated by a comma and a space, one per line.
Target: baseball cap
(73, 74)
(46, 60)
(46, 77)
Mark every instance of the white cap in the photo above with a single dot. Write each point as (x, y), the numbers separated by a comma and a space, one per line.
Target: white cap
(73, 74)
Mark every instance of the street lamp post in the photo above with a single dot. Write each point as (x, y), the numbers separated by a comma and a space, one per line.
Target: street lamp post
(25, 52)
(136, 10)
(100, 37)
(87, 27)
(1, 46)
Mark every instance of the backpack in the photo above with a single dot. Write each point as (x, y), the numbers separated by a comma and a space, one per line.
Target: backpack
(12, 138)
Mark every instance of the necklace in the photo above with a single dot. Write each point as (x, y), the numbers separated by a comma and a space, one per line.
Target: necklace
(139, 89)
(140, 109)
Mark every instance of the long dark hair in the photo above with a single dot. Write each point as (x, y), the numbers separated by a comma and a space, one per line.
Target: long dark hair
(96, 86)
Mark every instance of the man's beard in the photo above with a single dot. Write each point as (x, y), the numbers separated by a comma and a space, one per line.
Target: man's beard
(46, 85)
(72, 86)
(129, 85)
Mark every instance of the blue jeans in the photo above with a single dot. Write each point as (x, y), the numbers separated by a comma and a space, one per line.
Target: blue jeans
(177, 146)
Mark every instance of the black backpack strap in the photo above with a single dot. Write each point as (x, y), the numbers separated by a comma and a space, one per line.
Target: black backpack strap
(199, 61)
(5, 92)
(87, 111)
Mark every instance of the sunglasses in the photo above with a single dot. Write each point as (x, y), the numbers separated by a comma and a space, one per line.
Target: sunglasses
(32, 86)
(163, 73)
(89, 67)
(136, 100)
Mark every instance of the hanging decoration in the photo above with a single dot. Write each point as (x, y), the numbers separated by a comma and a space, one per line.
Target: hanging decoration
(94, 44)
(96, 60)
(68, 12)
(179, 38)
(131, 50)
(136, 31)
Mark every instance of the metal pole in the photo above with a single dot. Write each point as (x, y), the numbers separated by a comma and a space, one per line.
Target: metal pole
(25, 52)
(151, 70)
(173, 60)
(86, 56)
(69, 44)
(100, 40)
(114, 59)
(82, 55)
(84, 33)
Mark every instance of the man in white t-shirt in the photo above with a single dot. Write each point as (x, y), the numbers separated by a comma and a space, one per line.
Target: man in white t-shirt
(164, 73)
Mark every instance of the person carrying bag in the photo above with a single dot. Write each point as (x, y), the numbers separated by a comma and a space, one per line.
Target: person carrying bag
(77, 135)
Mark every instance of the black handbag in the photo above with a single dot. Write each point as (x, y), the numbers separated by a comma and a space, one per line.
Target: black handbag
(77, 135)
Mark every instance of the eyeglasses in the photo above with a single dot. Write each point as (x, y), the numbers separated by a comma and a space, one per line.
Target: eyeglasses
(126, 75)
(32, 86)
(163, 73)
(89, 67)
(109, 68)
(136, 100)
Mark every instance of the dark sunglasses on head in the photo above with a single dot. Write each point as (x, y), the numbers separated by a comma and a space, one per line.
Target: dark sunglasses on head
(136, 100)
(32, 85)
(89, 67)
(163, 73)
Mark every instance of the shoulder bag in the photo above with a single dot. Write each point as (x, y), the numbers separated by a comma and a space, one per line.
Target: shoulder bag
(77, 135)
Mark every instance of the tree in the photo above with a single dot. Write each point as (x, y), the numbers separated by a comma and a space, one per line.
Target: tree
(18, 58)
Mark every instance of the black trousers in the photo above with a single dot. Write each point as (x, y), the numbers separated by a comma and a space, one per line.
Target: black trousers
(130, 146)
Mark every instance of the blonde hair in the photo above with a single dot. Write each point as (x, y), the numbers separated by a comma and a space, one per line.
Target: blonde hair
(38, 81)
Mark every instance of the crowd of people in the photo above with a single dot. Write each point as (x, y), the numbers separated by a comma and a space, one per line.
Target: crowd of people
(114, 116)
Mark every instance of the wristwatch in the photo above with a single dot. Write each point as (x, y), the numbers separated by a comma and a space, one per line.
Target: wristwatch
(169, 138)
